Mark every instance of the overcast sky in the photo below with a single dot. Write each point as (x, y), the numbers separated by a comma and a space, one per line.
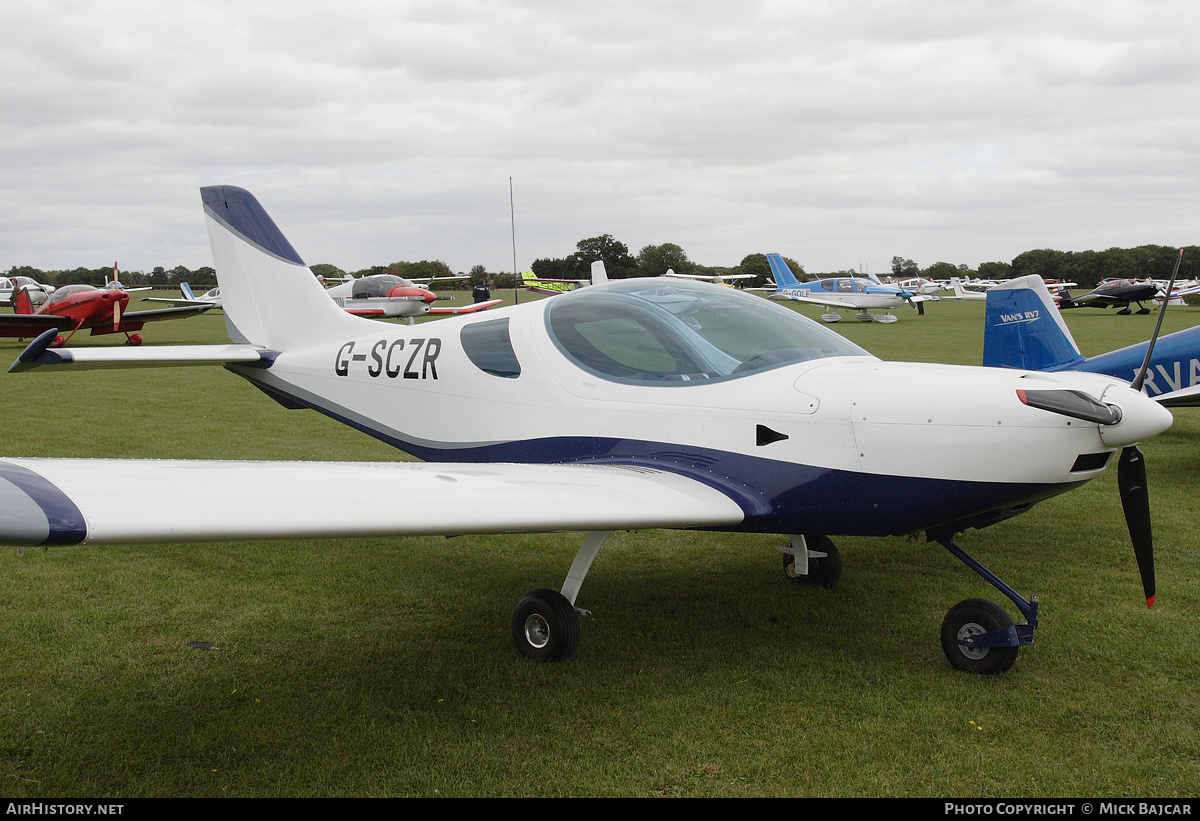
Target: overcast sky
(836, 132)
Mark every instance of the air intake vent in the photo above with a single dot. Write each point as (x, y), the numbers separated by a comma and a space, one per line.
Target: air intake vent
(1090, 461)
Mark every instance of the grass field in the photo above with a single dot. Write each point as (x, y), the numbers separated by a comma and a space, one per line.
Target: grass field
(385, 667)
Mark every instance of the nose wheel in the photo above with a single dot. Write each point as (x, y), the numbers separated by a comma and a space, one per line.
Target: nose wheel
(979, 637)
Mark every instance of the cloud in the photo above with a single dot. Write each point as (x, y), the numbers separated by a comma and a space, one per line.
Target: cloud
(839, 133)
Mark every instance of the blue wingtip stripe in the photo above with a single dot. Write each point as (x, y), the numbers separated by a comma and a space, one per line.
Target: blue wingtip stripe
(35, 511)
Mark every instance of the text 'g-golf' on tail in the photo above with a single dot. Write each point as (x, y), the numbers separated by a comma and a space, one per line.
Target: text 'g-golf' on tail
(270, 296)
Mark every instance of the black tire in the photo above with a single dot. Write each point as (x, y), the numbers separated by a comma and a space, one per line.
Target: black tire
(971, 618)
(823, 571)
(545, 626)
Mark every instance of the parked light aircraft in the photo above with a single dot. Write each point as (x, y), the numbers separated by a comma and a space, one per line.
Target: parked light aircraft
(73, 308)
(717, 279)
(861, 295)
(37, 292)
(970, 290)
(552, 287)
(1112, 293)
(1023, 329)
(115, 283)
(386, 295)
(211, 297)
(642, 403)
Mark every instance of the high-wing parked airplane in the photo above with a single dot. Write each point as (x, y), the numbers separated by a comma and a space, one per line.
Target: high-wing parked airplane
(37, 292)
(637, 404)
(115, 283)
(860, 295)
(1114, 293)
(970, 290)
(211, 297)
(1023, 329)
(76, 307)
(717, 279)
(551, 287)
(386, 295)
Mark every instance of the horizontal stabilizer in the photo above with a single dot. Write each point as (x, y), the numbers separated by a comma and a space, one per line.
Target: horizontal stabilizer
(41, 353)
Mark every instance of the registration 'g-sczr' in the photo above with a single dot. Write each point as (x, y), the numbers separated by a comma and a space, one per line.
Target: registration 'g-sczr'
(392, 358)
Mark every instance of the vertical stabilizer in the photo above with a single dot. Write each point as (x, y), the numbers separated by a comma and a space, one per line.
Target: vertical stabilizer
(781, 273)
(21, 302)
(1023, 328)
(269, 295)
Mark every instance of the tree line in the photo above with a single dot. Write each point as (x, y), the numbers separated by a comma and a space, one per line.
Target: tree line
(1085, 268)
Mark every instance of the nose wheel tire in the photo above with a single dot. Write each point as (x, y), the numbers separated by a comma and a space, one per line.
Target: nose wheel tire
(969, 619)
(545, 626)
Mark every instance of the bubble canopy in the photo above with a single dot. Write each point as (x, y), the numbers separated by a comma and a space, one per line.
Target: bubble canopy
(647, 331)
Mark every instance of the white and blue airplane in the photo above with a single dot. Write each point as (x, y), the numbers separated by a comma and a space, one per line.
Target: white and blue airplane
(862, 295)
(1024, 329)
(210, 297)
(640, 403)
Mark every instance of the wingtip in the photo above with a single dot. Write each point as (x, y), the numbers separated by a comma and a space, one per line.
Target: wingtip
(39, 352)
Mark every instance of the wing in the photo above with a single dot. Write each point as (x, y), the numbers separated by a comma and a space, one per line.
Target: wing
(40, 352)
(28, 325)
(74, 501)
(158, 314)
(815, 300)
(179, 301)
(466, 309)
(1182, 398)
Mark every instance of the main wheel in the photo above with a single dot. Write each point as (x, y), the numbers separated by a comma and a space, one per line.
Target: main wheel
(545, 626)
(974, 617)
(823, 571)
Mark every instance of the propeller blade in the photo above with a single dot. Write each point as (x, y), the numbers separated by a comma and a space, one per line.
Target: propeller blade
(117, 304)
(1135, 500)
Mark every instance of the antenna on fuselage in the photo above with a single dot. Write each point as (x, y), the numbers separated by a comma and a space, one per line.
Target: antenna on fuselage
(512, 215)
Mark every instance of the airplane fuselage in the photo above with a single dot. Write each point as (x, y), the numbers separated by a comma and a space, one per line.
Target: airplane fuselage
(803, 447)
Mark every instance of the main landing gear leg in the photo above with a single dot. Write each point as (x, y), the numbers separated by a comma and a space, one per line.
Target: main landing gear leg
(978, 636)
(545, 624)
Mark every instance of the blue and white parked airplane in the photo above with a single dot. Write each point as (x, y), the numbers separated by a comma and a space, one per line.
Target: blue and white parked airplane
(211, 297)
(1024, 329)
(641, 403)
(861, 295)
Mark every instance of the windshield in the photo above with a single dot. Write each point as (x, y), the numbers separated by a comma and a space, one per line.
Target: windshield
(640, 330)
(66, 291)
(377, 285)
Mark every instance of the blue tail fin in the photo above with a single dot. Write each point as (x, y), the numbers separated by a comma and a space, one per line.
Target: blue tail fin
(186, 290)
(784, 278)
(1023, 328)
